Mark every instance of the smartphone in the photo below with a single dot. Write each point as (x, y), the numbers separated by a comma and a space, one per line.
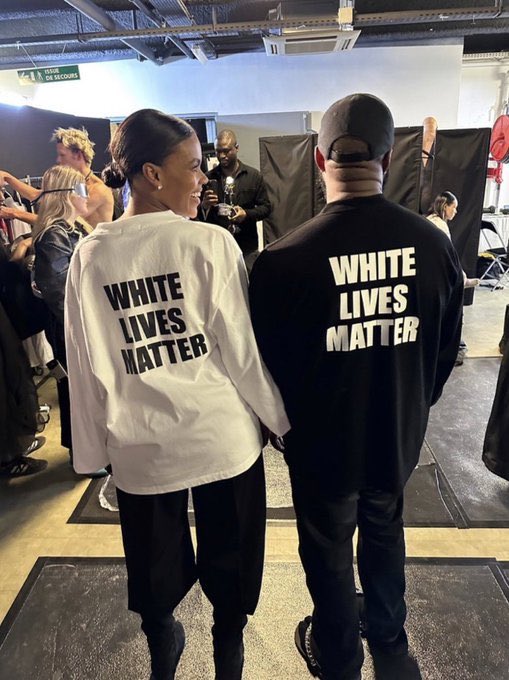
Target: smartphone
(213, 186)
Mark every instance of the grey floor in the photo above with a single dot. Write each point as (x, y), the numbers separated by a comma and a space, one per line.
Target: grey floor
(456, 433)
(74, 614)
(424, 497)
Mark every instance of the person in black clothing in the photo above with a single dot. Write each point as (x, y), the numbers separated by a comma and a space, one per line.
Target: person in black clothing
(357, 314)
(18, 397)
(237, 197)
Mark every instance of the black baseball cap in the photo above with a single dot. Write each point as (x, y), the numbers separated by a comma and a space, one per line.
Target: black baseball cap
(362, 116)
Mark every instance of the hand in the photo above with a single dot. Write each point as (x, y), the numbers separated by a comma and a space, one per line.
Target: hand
(209, 200)
(277, 442)
(239, 214)
(4, 178)
(20, 251)
(8, 213)
(265, 434)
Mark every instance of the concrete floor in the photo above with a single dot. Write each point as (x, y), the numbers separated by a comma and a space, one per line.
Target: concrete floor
(34, 510)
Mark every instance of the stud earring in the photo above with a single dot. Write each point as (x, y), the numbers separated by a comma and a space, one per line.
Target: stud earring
(160, 186)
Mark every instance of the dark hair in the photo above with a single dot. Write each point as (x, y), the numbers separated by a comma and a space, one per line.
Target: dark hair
(441, 201)
(146, 136)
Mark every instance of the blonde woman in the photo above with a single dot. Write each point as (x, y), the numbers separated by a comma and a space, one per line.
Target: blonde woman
(63, 199)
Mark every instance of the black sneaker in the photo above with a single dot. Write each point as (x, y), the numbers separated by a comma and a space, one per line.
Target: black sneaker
(22, 467)
(36, 444)
(303, 644)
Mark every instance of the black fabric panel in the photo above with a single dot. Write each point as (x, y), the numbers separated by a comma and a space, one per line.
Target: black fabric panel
(460, 166)
(402, 182)
(287, 165)
(25, 133)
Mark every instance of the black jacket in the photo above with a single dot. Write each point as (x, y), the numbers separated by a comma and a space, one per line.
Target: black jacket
(53, 252)
(251, 194)
(358, 315)
(27, 313)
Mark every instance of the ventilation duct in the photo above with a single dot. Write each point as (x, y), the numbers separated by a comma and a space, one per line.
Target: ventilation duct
(309, 42)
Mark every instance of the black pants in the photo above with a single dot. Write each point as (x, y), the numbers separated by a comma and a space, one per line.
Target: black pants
(55, 335)
(230, 531)
(326, 526)
(250, 258)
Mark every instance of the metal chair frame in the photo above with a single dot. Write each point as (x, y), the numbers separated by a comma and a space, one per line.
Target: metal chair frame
(500, 257)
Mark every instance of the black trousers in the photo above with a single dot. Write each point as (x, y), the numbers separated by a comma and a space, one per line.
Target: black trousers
(56, 338)
(230, 531)
(326, 526)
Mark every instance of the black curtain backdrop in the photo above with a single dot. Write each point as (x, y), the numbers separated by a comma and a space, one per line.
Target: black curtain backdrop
(25, 132)
(403, 180)
(460, 163)
(288, 168)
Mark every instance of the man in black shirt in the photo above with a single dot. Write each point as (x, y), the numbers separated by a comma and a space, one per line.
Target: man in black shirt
(237, 197)
(357, 314)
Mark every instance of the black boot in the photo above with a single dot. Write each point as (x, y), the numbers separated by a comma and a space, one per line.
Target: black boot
(166, 639)
(227, 638)
(505, 336)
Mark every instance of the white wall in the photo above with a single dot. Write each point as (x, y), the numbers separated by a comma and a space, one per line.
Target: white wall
(484, 96)
(407, 78)
(13, 93)
(483, 90)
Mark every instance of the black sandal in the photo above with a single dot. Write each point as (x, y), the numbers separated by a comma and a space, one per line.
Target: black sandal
(22, 467)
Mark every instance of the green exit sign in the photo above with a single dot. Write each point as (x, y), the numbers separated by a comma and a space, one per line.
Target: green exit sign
(54, 74)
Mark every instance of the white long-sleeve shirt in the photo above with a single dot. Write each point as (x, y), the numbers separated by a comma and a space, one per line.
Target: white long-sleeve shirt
(440, 224)
(166, 381)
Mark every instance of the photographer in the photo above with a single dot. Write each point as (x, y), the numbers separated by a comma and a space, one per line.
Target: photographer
(236, 196)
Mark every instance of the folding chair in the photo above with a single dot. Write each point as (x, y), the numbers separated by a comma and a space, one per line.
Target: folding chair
(498, 269)
(503, 281)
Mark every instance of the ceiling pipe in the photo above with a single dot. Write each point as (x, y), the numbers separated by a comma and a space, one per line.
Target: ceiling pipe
(325, 21)
(241, 27)
(159, 20)
(426, 16)
(92, 11)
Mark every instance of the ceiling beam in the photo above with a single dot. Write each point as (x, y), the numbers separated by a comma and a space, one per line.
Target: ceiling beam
(97, 14)
(234, 28)
(159, 20)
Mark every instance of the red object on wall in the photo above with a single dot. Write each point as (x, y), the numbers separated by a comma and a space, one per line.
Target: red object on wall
(494, 171)
(499, 142)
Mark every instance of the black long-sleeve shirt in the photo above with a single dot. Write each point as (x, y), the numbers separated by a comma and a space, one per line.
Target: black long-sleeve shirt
(358, 316)
(250, 193)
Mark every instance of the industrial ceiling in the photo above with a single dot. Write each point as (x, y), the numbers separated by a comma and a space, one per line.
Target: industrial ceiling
(41, 33)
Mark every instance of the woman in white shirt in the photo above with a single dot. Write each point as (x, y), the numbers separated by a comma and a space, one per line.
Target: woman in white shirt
(167, 387)
(444, 209)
